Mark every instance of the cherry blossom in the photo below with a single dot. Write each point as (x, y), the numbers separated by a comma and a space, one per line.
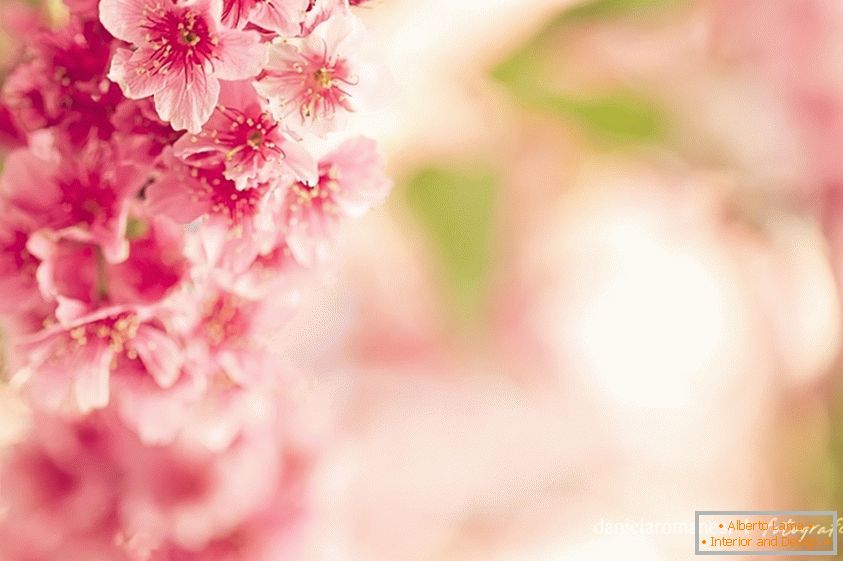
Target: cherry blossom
(279, 16)
(252, 146)
(158, 218)
(351, 180)
(83, 196)
(312, 84)
(181, 54)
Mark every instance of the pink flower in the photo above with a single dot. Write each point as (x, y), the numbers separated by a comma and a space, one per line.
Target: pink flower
(272, 533)
(156, 412)
(274, 271)
(64, 85)
(59, 494)
(181, 55)
(140, 136)
(89, 487)
(230, 333)
(351, 181)
(83, 196)
(77, 274)
(239, 222)
(71, 366)
(322, 10)
(18, 289)
(244, 138)
(119, 359)
(186, 192)
(148, 272)
(312, 84)
(207, 514)
(268, 268)
(279, 16)
(31, 96)
(187, 495)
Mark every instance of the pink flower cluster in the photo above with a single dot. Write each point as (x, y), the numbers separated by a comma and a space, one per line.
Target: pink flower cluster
(175, 181)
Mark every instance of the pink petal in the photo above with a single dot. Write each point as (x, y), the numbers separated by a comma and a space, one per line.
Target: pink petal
(92, 372)
(188, 103)
(241, 55)
(27, 181)
(124, 18)
(282, 56)
(376, 87)
(337, 35)
(112, 237)
(235, 365)
(238, 252)
(361, 175)
(159, 354)
(281, 16)
(42, 246)
(128, 70)
(311, 237)
(239, 94)
(212, 235)
(301, 163)
(157, 415)
(49, 387)
(195, 148)
(171, 196)
(212, 7)
(69, 310)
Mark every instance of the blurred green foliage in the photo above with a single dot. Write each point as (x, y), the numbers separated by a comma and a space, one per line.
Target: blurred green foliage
(619, 115)
(455, 206)
(611, 8)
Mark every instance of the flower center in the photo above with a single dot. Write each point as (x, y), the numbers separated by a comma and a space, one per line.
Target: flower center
(224, 197)
(324, 78)
(255, 139)
(323, 86)
(86, 199)
(224, 320)
(189, 38)
(116, 331)
(181, 40)
(246, 135)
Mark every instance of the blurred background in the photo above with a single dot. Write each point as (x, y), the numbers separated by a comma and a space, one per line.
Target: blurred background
(605, 292)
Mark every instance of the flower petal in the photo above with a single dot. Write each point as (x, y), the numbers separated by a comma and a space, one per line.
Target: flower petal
(159, 354)
(128, 70)
(300, 162)
(123, 18)
(187, 103)
(361, 175)
(28, 182)
(171, 196)
(241, 55)
(92, 371)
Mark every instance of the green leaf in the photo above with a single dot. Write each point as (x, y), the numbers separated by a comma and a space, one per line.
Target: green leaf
(616, 114)
(455, 207)
(621, 115)
(613, 8)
